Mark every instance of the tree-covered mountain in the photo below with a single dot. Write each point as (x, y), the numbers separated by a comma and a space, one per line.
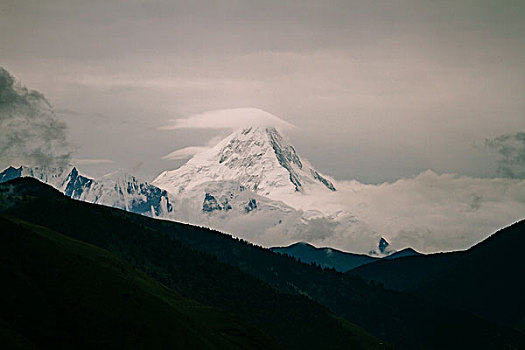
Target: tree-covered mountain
(485, 279)
(273, 292)
(293, 321)
(60, 293)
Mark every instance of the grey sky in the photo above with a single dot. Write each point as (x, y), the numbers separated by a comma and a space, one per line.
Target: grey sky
(377, 89)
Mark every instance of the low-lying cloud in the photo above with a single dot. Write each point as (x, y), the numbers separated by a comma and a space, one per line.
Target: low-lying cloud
(30, 133)
(433, 212)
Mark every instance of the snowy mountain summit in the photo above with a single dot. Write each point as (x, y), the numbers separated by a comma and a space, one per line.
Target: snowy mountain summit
(258, 158)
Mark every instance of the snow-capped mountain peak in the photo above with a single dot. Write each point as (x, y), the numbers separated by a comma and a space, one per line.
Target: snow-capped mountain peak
(257, 157)
(118, 189)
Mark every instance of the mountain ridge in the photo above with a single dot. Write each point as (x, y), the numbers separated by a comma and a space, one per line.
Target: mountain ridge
(328, 257)
(119, 189)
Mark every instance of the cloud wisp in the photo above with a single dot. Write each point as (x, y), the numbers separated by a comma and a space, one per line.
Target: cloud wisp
(30, 133)
(185, 153)
(235, 118)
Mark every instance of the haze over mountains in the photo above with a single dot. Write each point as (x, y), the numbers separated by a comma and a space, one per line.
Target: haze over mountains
(256, 186)
(429, 212)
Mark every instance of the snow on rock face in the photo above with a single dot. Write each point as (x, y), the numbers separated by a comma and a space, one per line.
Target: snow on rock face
(257, 157)
(76, 185)
(254, 185)
(118, 190)
(226, 205)
(210, 204)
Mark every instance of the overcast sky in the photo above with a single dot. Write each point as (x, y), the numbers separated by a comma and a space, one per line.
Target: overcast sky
(377, 90)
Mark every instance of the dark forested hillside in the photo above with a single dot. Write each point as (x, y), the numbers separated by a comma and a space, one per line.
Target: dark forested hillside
(59, 293)
(485, 279)
(294, 321)
(325, 257)
(271, 291)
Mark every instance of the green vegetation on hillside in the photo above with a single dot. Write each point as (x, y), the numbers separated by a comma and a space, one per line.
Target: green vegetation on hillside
(294, 321)
(61, 293)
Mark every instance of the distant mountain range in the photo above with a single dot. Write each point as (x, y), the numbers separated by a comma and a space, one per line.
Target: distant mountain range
(333, 258)
(226, 198)
(252, 184)
(118, 190)
(255, 186)
(300, 306)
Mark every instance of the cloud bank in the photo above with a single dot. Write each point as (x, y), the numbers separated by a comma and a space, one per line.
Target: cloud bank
(429, 212)
(432, 212)
(30, 133)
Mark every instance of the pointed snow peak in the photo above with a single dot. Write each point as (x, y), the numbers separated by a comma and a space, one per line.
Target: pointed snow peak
(248, 146)
(258, 157)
